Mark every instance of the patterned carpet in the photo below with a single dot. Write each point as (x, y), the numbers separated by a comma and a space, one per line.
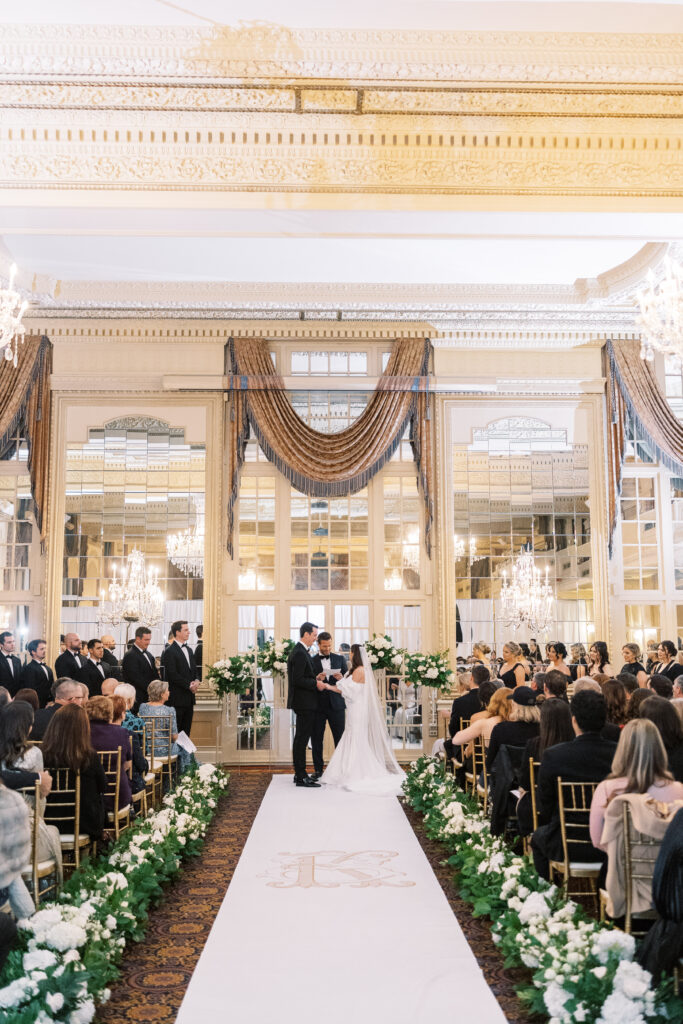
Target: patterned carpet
(156, 971)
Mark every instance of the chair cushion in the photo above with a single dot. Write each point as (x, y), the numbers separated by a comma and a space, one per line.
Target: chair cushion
(44, 866)
(121, 812)
(67, 839)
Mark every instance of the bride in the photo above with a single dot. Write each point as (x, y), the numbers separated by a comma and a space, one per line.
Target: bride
(363, 761)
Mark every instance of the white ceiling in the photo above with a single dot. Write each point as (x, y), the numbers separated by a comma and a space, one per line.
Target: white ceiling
(503, 15)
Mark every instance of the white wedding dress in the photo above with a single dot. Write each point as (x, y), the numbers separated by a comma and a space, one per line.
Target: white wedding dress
(364, 762)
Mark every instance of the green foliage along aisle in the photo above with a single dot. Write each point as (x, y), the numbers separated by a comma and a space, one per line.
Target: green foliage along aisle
(583, 970)
(69, 951)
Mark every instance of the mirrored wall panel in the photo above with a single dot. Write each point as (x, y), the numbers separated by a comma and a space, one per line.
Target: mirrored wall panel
(521, 485)
(136, 485)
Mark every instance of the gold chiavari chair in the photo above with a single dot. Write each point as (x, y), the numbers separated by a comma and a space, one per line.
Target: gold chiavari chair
(38, 870)
(464, 724)
(118, 817)
(63, 809)
(161, 748)
(533, 768)
(150, 776)
(480, 790)
(574, 800)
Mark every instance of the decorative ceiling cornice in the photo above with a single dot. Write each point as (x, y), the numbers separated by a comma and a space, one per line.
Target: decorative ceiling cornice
(268, 51)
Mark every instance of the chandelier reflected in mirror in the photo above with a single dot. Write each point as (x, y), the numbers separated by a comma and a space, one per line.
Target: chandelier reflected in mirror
(135, 597)
(661, 314)
(186, 550)
(12, 309)
(527, 599)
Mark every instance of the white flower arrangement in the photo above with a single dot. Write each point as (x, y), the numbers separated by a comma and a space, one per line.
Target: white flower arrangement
(234, 675)
(273, 655)
(82, 936)
(384, 654)
(432, 670)
(583, 970)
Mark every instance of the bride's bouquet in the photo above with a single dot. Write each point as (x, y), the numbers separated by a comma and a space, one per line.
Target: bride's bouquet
(429, 670)
(234, 675)
(383, 653)
(272, 657)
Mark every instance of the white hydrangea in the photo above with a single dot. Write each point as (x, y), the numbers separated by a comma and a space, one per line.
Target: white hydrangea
(615, 941)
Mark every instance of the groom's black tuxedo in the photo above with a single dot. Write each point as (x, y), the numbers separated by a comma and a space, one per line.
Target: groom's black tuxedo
(302, 698)
(331, 708)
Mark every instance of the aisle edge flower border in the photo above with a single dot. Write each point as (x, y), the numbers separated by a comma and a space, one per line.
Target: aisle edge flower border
(70, 949)
(235, 674)
(583, 970)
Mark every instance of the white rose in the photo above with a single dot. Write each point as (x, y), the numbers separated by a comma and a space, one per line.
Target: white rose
(55, 1001)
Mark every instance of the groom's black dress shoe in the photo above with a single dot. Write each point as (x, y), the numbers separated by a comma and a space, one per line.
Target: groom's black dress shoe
(314, 776)
(308, 782)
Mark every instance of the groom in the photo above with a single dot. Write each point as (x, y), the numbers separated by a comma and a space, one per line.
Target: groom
(302, 698)
(331, 706)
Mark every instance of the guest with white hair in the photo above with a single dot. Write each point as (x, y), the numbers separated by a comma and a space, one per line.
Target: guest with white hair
(131, 722)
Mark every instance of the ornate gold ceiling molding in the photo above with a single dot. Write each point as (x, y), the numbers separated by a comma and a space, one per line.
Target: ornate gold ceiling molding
(268, 51)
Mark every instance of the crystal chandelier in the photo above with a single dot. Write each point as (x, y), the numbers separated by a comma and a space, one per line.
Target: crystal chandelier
(136, 597)
(661, 314)
(186, 549)
(528, 599)
(12, 310)
(459, 549)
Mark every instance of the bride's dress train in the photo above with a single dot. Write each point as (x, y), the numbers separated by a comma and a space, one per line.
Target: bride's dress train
(364, 762)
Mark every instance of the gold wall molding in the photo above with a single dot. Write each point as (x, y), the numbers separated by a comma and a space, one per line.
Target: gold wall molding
(269, 51)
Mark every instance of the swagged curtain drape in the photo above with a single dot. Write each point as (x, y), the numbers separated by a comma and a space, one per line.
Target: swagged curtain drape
(25, 402)
(635, 397)
(328, 465)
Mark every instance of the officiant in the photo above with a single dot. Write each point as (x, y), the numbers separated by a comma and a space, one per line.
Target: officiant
(331, 707)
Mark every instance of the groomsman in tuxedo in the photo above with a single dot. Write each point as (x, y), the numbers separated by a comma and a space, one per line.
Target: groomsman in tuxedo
(302, 698)
(181, 675)
(69, 664)
(110, 659)
(138, 665)
(10, 665)
(36, 675)
(95, 670)
(331, 707)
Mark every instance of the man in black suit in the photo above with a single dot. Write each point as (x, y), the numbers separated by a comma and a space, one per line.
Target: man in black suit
(199, 650)
(586, 758)
(302, 698)
(138, 666)
(95, 669)
(70, 662)
(331, 707)
(181, 675)
(110, 659)
(36, 675)
(10, 665)
(67, 691)
(464, 707)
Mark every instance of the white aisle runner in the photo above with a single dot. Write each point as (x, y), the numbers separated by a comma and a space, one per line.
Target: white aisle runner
(334, 916)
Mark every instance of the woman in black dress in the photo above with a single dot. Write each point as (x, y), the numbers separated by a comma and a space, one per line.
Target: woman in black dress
(633, 665)
(557, 652)
(668, 666)
(513, 671)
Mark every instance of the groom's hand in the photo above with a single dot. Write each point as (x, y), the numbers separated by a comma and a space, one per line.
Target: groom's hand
(320, 684)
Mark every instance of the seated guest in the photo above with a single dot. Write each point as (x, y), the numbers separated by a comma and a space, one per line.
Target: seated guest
(5, 697)
(67, 744)
(556, 727)
(66, 692)
(663, 714)
(106, 736)
(662, 686)
(155, 707)
(35, 674)
(586, 758)
(28, 697)
(131, 722)
(486, 691)
(634, 702)
(15, 853)
(140, 766)
(630, 683)
(639, 767)
(633, 665)
(537, 683)
(617, 704)
(555, 685)
(522, 725)
(463, 707)
(587, 683)
(483, 723)
(668, 664)
(579, 663)
(109, 686)
(15, 753)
